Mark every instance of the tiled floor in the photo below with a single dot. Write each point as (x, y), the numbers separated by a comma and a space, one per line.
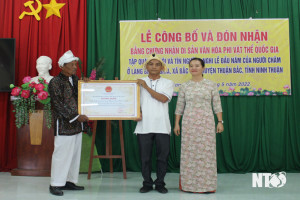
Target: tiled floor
(113, 187)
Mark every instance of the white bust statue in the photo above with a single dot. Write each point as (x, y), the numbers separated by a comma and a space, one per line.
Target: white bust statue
(43, 65)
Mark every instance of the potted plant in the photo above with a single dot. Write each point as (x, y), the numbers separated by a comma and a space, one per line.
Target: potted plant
(25, 98)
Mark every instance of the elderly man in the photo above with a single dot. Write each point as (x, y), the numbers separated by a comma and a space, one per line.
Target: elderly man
(154, 125)
(68, 126)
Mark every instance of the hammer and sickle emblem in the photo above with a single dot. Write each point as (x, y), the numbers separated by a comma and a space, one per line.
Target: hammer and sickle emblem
(33, 10)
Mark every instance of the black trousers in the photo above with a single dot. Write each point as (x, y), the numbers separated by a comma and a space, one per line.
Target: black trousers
(162, 142)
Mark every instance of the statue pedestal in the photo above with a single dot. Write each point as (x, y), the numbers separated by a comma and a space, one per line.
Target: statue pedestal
(35, 144)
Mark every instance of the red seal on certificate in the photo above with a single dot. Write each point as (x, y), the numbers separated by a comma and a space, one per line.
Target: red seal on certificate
(108, 89)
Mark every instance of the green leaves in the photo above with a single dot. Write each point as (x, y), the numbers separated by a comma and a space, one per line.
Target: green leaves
(46, 101)
(25, 86)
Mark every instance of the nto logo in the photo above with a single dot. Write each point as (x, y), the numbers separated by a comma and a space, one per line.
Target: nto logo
(276, 180)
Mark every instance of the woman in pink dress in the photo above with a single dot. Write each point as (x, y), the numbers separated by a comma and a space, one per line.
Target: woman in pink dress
(198, 166)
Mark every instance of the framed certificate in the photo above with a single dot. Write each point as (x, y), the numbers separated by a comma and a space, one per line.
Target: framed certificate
(109, 100)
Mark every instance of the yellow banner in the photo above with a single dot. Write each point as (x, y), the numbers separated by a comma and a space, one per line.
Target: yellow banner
(245, 57)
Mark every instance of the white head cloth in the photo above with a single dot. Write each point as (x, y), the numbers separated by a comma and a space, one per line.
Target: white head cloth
(66, 58)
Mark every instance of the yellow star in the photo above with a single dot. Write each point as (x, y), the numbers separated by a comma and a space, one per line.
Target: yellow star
(53, 8)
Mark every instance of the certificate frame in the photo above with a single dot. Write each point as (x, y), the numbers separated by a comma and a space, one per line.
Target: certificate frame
(109, 99)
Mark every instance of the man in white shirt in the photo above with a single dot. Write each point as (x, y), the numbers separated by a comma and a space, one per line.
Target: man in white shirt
(154, 124)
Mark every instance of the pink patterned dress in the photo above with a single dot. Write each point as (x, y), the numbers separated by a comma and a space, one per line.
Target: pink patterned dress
(198, 166)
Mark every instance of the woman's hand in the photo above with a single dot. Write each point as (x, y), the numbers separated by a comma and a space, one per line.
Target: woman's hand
(220, 127)
(177, 129)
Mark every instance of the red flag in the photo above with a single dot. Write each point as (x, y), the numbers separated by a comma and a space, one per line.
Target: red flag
(46, 27)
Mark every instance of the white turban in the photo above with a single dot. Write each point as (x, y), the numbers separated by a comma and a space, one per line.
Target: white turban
(66, 58)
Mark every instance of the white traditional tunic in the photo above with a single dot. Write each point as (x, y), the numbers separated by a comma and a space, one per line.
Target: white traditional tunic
(155, 113)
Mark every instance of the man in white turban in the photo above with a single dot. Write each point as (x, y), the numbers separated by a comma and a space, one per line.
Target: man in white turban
(68, 126)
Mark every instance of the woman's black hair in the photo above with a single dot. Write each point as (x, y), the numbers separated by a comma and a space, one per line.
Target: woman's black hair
(199, 59)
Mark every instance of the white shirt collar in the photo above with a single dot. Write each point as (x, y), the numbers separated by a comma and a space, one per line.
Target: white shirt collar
(71, 80)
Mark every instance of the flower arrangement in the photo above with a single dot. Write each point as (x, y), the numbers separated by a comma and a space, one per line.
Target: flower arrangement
(255, 92)
(96, 73)
(26, 97)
